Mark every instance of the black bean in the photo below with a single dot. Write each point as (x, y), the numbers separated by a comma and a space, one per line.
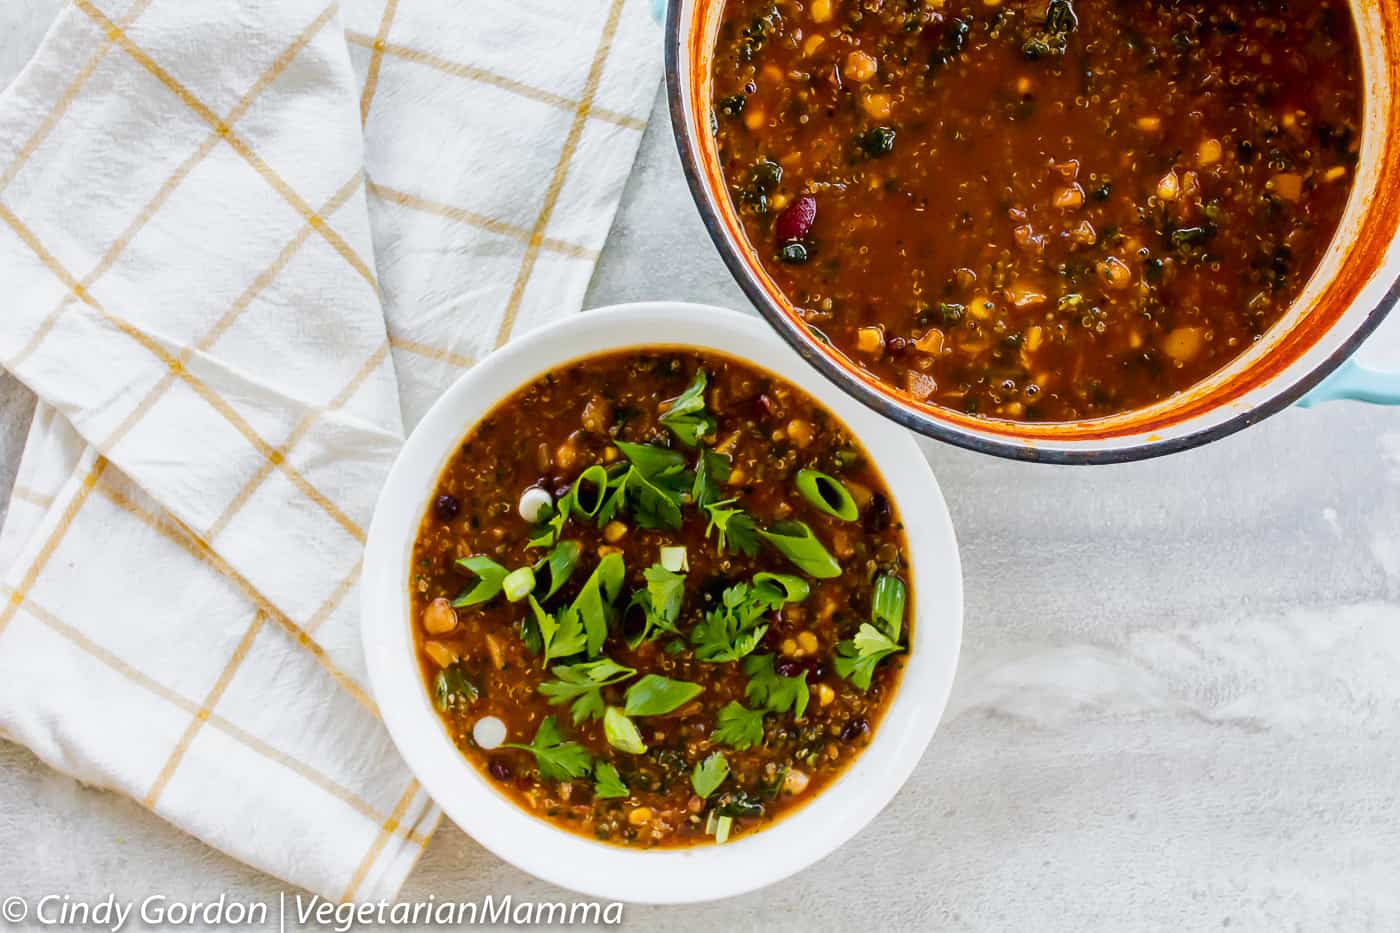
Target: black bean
(854, 730)
(877, 515)
(446, 507)
(499, 770)
(787, 667)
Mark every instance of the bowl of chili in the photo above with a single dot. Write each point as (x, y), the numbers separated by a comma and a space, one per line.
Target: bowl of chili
(730, 723)
(1068, 231)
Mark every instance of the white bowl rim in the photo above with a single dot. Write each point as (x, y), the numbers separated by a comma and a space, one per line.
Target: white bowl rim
(663, 876)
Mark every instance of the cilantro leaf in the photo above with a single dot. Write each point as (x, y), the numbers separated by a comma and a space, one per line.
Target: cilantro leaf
(660, 601)
(738, 726)
(560, 635)
(654, 485)
(711, 471)
(855, 660)
(582, 683)
(731, 630)
(557, 760)
(735, 528)
(607, 783)
(686, 416)
(548, 531)
(709, 774)
(773, 691)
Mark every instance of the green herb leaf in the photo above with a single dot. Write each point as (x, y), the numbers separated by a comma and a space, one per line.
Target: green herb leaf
(855, 660)
(489, 578)
(557, 760)
(686, 416)
(594, 604)
(622, 733)
(711, 471)
(548, 531)
(773, 691)
(827, 494)
(731, 630)
(652, 461)
(796, 541)
(452, 689)
(709, 774)
(561, 562)
(655, 695)
(735, 528)
(560, 636)
(887, 605)
(607, 783)
(738, 727)
(582, 683)
(660, 601)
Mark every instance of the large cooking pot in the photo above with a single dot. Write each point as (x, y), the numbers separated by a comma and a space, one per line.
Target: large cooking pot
(1356, 284)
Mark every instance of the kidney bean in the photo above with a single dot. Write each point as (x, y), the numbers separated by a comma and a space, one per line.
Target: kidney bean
(446, 507)
(854, 730)
(796, 221)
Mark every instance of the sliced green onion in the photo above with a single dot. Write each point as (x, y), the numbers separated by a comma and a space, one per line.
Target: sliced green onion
(795, 589)
(489, 579)
(711, 823)
(675, 559)
(590, 489)
(887, 606)
(622, 733)
(796, 542)
(827, 494)
(519, 583)
(722, 827)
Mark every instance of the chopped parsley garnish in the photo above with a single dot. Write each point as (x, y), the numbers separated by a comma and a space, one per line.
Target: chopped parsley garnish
(735, 528)
(583, 683)
(712, 470)
(560, 635)
(738, 726)
(652, 488)
(595, 603)
(557, 760)
(856, 659)
(709, 774)
(660, 602)
(607, 784)
(731, 630)
(772, 691)
(686, 416)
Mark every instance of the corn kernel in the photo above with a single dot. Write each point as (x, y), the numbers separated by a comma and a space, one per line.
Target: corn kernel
(614, 531)
(825, 695)
(821, 11)
(788, 647)
(814, 42)
(870, 340)
(1183, 344)
(755, 118)
(639, 816)
(1335, 173)
(799, 431)
(877, 106)
(1149, 124)
(1168, 186)
(860, 66)
(1209, 152)
(808, 642)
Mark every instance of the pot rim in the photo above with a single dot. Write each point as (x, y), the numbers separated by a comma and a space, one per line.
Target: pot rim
(1086, 451)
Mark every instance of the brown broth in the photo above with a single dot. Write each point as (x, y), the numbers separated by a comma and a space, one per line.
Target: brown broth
(544, 436)
(1039, 211)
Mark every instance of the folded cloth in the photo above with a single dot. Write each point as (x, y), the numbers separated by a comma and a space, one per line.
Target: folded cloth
(245, 243)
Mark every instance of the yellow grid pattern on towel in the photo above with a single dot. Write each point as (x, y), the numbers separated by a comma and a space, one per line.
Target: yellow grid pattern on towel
(186, 363)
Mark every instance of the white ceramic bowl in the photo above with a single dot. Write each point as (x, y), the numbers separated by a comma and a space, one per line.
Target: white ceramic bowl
(675, 875)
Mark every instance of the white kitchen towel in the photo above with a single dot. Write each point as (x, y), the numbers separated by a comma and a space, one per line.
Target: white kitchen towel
(243, 245)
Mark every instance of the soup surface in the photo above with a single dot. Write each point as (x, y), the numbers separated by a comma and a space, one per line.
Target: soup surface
(1038, 210)
(701, 622)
